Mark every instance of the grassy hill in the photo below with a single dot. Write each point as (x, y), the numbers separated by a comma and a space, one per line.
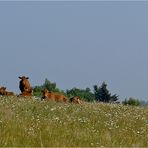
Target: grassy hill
(30, 122)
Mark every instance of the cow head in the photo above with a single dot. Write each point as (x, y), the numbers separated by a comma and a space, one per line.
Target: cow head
(2, 88)
(75, 100)
(45, 93)
(23, 78)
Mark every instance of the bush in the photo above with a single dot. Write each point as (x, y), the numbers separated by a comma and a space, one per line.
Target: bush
(131, 101)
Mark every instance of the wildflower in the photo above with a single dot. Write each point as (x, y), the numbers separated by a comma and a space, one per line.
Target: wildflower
(52, 109)
(56, 118)
(138, 132)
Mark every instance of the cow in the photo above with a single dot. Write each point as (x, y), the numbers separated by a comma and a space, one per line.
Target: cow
(47, 95)
(3, 91)
(8, 93)
(25, 86)
(25, 94)
(75, 100)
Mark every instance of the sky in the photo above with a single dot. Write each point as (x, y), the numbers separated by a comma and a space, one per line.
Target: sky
(76, 44)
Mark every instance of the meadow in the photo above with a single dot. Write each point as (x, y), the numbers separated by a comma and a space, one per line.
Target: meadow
(29, 122)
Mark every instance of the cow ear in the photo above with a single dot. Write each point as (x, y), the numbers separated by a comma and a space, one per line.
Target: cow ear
(20, 77)
(27, 77)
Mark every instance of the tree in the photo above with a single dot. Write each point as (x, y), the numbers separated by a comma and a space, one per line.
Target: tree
(102, 94)
(131, 101)
(50, 86)
(47, 84)
(85, 94)
(37, 91)
(114, 98)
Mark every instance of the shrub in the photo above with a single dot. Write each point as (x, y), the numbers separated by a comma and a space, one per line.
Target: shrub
(131, 101)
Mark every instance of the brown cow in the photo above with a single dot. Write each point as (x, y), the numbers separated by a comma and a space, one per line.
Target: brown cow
(53, 96)
(75, 100)
(7, 93)
(25, 86)
(23, 94)
(3, 91)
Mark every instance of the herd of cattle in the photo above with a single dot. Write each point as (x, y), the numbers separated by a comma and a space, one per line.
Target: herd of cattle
(27, 90)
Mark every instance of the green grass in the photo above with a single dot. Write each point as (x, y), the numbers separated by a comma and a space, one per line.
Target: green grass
(31, 123)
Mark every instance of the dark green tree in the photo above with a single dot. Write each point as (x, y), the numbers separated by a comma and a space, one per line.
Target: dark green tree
(102, 94)
(114, 98)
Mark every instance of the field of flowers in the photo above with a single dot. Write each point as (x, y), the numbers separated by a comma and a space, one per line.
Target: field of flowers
(30, 122)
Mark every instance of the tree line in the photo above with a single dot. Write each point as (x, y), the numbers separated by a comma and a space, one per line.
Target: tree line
(98, 94)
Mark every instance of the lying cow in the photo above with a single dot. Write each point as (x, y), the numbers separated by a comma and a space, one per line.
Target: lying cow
(25, 86)
(3, 91)
(53, 96)
(75, 100)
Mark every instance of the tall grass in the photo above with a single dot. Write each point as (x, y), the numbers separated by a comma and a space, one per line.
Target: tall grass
(33, 123)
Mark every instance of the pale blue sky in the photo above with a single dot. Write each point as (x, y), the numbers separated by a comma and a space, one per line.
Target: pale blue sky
(76, 44)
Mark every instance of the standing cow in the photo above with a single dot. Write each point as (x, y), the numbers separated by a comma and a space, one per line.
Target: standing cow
(25, 87)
